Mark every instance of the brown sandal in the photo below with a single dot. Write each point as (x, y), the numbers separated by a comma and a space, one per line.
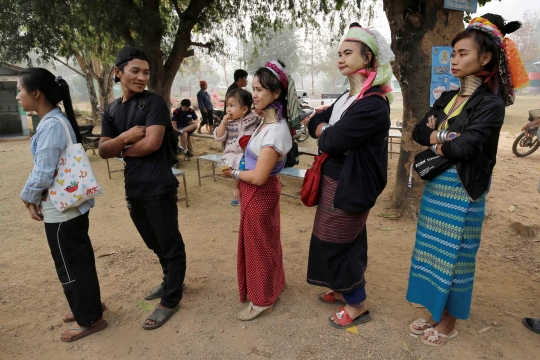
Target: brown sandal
(68, 317)
(86, 330)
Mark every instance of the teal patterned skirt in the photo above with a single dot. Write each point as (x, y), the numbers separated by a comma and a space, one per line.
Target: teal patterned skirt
(447, 240)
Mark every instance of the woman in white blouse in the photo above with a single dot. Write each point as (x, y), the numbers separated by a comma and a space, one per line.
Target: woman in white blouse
(261, 277)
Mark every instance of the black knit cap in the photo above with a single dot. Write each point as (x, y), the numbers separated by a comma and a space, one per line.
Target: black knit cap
(129, 53)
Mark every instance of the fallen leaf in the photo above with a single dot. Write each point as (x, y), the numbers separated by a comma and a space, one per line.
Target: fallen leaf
(388, 229)
(107, 254)
(352, 330)
(405, 347)
(284, 212)
(485, 329)
(260, 352)
(144, 305)
(388, 216)
(512, 208)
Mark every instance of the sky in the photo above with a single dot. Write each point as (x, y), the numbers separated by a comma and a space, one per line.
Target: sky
(510, 10)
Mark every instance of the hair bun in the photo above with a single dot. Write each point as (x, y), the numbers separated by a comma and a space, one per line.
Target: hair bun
(512, 26)
(355, 24)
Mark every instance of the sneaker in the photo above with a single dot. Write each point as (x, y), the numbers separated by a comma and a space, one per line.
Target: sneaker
(188, 155)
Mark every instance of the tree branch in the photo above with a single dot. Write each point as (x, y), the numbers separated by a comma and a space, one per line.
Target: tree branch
(182, 39)
(176, 7)
(203, 45)
(68, 66)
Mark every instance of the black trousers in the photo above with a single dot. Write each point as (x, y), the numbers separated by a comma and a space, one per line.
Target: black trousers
(207, 118)
(73, 257)
(156, 219)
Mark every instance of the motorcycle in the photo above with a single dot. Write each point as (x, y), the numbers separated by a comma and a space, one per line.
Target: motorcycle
(302, 134)
(217, 115)
(525, 145)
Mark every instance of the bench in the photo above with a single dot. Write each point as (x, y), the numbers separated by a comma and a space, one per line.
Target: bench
(307, 151)
(204, 136)
(214, 158)
(176, 172)
(391, 136)
(295, 174)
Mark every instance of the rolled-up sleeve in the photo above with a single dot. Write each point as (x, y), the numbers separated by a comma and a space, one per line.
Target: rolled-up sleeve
(49, 144)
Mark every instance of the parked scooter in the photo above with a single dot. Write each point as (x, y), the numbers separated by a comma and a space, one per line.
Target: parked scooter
(527, 142)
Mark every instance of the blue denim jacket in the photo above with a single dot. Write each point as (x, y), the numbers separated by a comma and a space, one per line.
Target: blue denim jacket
(46, 146)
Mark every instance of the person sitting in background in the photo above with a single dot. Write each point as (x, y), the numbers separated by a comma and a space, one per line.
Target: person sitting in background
(184, 121)
(206, 107)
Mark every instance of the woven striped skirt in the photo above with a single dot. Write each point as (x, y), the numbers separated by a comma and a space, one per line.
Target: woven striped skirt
(447, 240)
(338, 248)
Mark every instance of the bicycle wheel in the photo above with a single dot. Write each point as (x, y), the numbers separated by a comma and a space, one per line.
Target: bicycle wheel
(524, 146)
(302, 136)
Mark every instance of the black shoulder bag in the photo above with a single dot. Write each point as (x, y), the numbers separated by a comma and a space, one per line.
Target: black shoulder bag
(427, 164)
(170, 138)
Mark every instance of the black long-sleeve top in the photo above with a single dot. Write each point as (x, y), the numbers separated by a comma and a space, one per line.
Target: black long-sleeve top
(475, 150)
(358, 149)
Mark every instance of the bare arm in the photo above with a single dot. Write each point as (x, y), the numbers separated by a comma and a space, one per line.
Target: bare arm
(222, 128)
(109, 148)
(318, 131)
(150, 143)
(265, 164)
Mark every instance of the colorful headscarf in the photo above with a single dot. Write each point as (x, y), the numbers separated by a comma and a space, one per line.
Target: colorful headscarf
(381, 73)
(202, 82)
(293, 105)
(511, 71)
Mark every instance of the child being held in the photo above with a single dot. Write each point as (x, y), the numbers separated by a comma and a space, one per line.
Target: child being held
(236, 129)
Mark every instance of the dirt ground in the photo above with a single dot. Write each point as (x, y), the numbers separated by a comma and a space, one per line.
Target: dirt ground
(31, 300)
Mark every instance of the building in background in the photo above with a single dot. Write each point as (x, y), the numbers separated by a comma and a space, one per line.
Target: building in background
(13, 120)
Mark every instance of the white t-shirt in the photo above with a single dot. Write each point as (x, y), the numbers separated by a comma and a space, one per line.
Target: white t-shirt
(276, 135)
(340, 106)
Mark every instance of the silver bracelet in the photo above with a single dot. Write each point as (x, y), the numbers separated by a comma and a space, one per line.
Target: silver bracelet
(236, 174)
(326, 126)
(434, 148)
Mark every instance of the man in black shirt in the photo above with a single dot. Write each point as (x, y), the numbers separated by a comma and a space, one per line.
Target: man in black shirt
(133, 127)
(240, 81)
(184, 121)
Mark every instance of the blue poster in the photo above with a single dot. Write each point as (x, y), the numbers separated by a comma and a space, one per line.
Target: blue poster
(441, 78)
(461, 5)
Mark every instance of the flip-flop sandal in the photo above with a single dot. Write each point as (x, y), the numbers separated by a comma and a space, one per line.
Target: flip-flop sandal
(421, 322)
(160, 316)
(234, 202)
(72, 318)
(329, 298)
(345, 320)
(86, 330)
(155, 293)
(532, 324)
(434, 336)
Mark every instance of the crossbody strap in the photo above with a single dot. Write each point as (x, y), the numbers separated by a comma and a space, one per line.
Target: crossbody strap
(66, 130)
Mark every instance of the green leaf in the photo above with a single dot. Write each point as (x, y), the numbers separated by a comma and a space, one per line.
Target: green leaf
(144, 305)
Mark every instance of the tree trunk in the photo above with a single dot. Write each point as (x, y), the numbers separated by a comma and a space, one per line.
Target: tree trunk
(90, 86)
(414, 31)
(312, 67)
(105, 85)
